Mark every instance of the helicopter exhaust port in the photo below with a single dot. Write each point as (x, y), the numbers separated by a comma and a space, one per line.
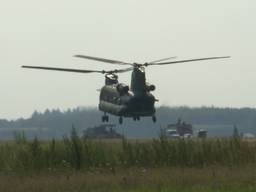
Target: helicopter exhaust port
(122, 88)
(150, 87)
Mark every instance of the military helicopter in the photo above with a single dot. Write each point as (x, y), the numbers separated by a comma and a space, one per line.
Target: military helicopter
(118, 98)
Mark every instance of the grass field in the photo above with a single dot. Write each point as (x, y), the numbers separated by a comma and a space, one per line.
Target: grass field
(136, 179)
(79, 164)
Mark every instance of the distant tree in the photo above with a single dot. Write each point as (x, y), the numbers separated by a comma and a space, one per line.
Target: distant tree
(47, 112)
(236, 134)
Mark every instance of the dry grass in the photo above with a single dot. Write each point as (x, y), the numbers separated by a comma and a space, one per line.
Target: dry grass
(139, 179)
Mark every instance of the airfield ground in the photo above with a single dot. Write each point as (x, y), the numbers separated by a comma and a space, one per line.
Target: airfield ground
(206, 179)
(75, 164)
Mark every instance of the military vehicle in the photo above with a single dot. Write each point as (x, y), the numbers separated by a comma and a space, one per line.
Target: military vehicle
(181, 128)
(202, 134)
(118, 98)
(104, 131)
(172, 134)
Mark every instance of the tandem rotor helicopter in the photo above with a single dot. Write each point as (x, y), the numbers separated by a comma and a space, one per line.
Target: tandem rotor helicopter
(118, 98)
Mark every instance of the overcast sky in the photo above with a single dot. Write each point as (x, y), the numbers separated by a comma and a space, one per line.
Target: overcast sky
(50, 32)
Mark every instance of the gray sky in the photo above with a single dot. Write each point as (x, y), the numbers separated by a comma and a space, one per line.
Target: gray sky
(49, 32)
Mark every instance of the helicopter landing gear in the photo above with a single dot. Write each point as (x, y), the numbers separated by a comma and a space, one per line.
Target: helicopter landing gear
(120, 120)
(154, 118)
(136, 118)
(105, 118)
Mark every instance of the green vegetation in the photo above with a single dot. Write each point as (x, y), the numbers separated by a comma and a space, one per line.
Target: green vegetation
(83, 154)
(79, 164)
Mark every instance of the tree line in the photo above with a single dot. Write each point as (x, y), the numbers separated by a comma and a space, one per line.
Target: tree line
(89, 116)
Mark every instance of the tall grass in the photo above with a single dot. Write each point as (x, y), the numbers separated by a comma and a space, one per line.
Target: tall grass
(75, 153)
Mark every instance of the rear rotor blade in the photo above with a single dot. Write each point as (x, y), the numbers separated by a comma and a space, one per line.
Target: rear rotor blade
(185, 61)
(164, 59)
(64, 69)
(103, 60)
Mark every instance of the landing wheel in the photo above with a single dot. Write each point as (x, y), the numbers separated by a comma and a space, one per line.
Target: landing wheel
(105, 118)
(136, 118)
(120, 120)
(154, 119)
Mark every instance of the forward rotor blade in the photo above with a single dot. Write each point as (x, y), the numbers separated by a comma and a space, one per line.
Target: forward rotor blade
(79, 70)
(103, 60)
(63, 69)
(159, 60)
(120, 70)
(184, 61)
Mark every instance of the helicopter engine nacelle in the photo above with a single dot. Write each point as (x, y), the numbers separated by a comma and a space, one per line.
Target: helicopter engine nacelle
(122, 88)
(150, 87)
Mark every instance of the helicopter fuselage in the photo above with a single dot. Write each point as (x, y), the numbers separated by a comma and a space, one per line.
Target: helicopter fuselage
(120, 100)
(126, 104)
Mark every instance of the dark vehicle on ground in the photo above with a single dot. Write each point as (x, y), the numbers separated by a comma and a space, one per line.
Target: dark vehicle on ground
(202, 133)
(181, 129)
(104, 131)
